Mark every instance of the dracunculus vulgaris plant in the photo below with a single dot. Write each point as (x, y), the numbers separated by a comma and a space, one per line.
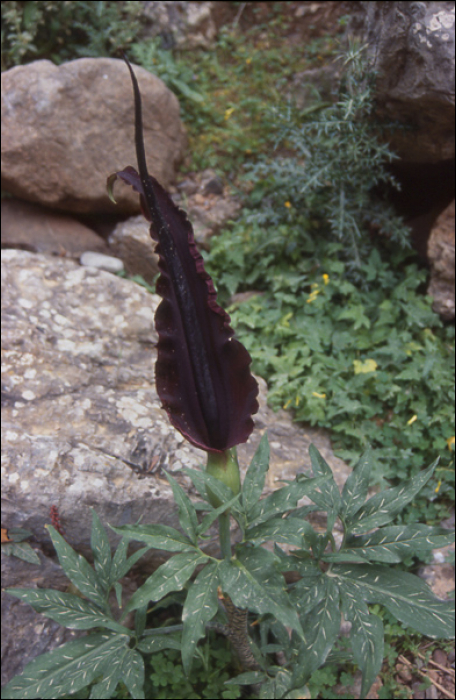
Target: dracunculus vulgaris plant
(297, 596)
(202, 372)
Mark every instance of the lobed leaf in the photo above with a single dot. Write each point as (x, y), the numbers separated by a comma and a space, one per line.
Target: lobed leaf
(255, 476)
(393, 544)
(247, 678)
(252, 582)
(156, 536)
(329, 496)
(67, 609)
(200, 606)
(309, 591)
(78, 570)
(383, 507)
(127, 667)
(202, 480)
(283, 686)
(366, 635)
(213, 515)
(321, 627)
(151, 644)
(283, 500)
(356, 487)
(186, 509)
(406, 596)
(287, 531)
(101, 551)
(67, 669)
(120, 565)
(170, 576)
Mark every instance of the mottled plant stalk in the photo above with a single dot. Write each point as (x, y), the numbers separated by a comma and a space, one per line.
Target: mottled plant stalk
(239, 636)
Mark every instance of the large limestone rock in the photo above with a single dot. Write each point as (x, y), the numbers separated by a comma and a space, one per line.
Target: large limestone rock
(66, 128)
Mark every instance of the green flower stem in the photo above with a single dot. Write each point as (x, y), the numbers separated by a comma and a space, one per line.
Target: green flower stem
(225, 467)
(225, 535)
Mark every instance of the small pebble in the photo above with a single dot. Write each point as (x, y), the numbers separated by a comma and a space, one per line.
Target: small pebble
(102, 262)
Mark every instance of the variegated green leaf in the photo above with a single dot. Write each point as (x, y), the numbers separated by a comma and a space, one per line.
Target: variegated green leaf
(383, 507)
(393, 544)
(201, 481)
(356, 487)
(133, 674)
(406, 596)
(200, 607)
(21, 550)
(255, 475)
(282, 500)
(187, 512)
(120, 565)
(156, 536)
(308, 592)
(329, 496)
(159, 641)
(321, 627)
(67, 609)
(78, 570)
(127, 667)
(366, 635)
(119, 560)
(247, 678)
(287, 531)
(101, 550)
(213, 515)
(252, 582)
(345, 557)
(170, 576)
(67, 669)
(282, 686)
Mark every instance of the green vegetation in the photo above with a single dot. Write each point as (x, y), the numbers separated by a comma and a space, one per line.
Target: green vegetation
(339, 325)
(165, 677)
(245, 584)
(372, 361)
(225, 93)
(213, 666)
(62, 31)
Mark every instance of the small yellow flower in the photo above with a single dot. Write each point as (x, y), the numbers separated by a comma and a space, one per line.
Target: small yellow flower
(450, 442)
(437, 488)
(297, 400)
(412, 420)
(318, 396)
(365, 367)
(288, 403)
(229, 112)
(287, 205)
(325, 278)
(313, 294)
(248, 60)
